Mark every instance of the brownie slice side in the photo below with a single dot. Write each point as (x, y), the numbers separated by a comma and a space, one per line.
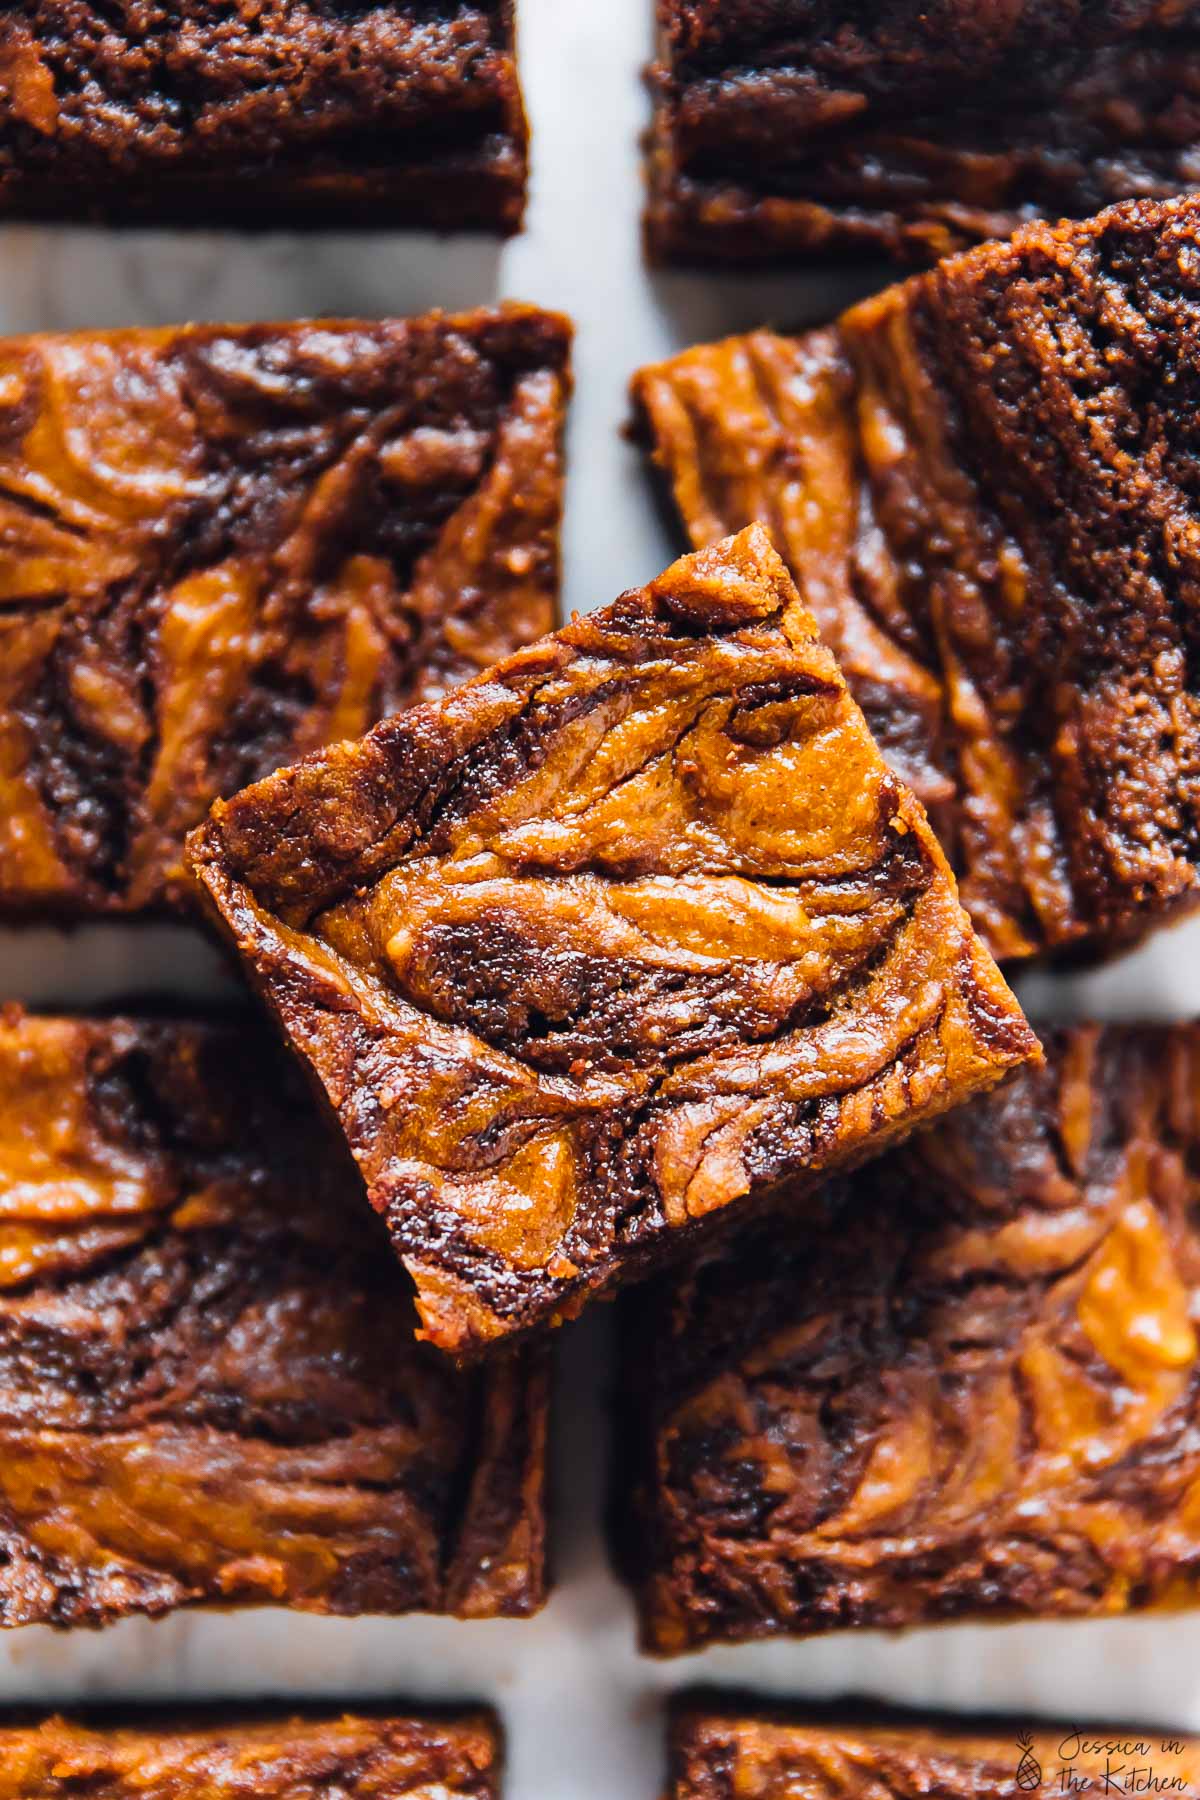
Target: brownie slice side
(983, 482)
(593, 953)
(224, 546)
(791, 131)
(973, 1395)
(726, 1744)
(263, 113)
(151, 1756)
(210, 1390)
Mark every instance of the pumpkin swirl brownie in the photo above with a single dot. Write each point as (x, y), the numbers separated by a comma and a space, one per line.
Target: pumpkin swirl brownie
(210, 1389)
(983, 481)
(251, 1758)
(263, 113)
(594, 952)
(723, 1746)
(799, 130)
(223, 546)
(974, 1394)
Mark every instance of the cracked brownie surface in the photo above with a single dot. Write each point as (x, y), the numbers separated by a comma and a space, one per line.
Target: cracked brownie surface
(596, 950)
(974, 1394)
(223, 546)
(720, 1748)
(983, 480)
(209, 1385)
(262, 112)
(386, 1758)
(790, 129)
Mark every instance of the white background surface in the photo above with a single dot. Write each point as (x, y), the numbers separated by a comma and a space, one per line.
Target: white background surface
(581, 1708)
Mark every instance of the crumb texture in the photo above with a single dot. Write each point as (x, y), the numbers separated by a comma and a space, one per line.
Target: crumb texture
(209, 1385)
(797, 128)
(984, 482)
(223, 547)
(608, 941)
(973, 1395)
(252, 112)
(371, 1758)
(717, 1754)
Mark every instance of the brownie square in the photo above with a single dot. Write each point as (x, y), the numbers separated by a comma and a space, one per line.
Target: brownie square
(210, 1389)
(262, 113)
(152, 1757)
(729, 1746)
(983, 480)
(974, 1395)
(599, 948)
(793, 130)
(223, 546)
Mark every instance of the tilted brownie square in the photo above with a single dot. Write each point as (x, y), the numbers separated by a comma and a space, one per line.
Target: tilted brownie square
(593, 953)
(974, 1395)
(983, 480)
(210, 1389)
(262, 113)
(722, 1746)
(224, 546)
(163, 1757)
(802, 129)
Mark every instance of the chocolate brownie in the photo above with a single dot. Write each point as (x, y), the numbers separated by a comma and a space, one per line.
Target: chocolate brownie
(793, 129)
(262, 113)
(974, 1394)
(719, 1748)
(209, 1385)
(367, 1756)
(223, 546)
(595, 951)
(983, 480)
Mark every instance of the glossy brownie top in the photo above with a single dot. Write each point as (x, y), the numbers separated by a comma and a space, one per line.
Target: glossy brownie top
(295, 112)
(244, 1758)
(973, 1394)
(209, 1385)
(607, 942)
(983, 480)
(223, 546)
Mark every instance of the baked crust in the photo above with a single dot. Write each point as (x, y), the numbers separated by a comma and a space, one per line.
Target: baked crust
(807, 128)
(209, 1385)
(297, 113)
(973, 1395)
(593, 953)
(982, 480)
(248, 1758)
(224, 546)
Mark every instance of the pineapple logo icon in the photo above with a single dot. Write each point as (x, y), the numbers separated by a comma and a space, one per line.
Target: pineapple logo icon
(1029, 1769)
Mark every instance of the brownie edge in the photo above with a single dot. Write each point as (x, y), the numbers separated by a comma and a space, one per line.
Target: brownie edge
(792, 132)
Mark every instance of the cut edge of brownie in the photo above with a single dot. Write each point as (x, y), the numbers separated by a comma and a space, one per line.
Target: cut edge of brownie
(264, 874)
